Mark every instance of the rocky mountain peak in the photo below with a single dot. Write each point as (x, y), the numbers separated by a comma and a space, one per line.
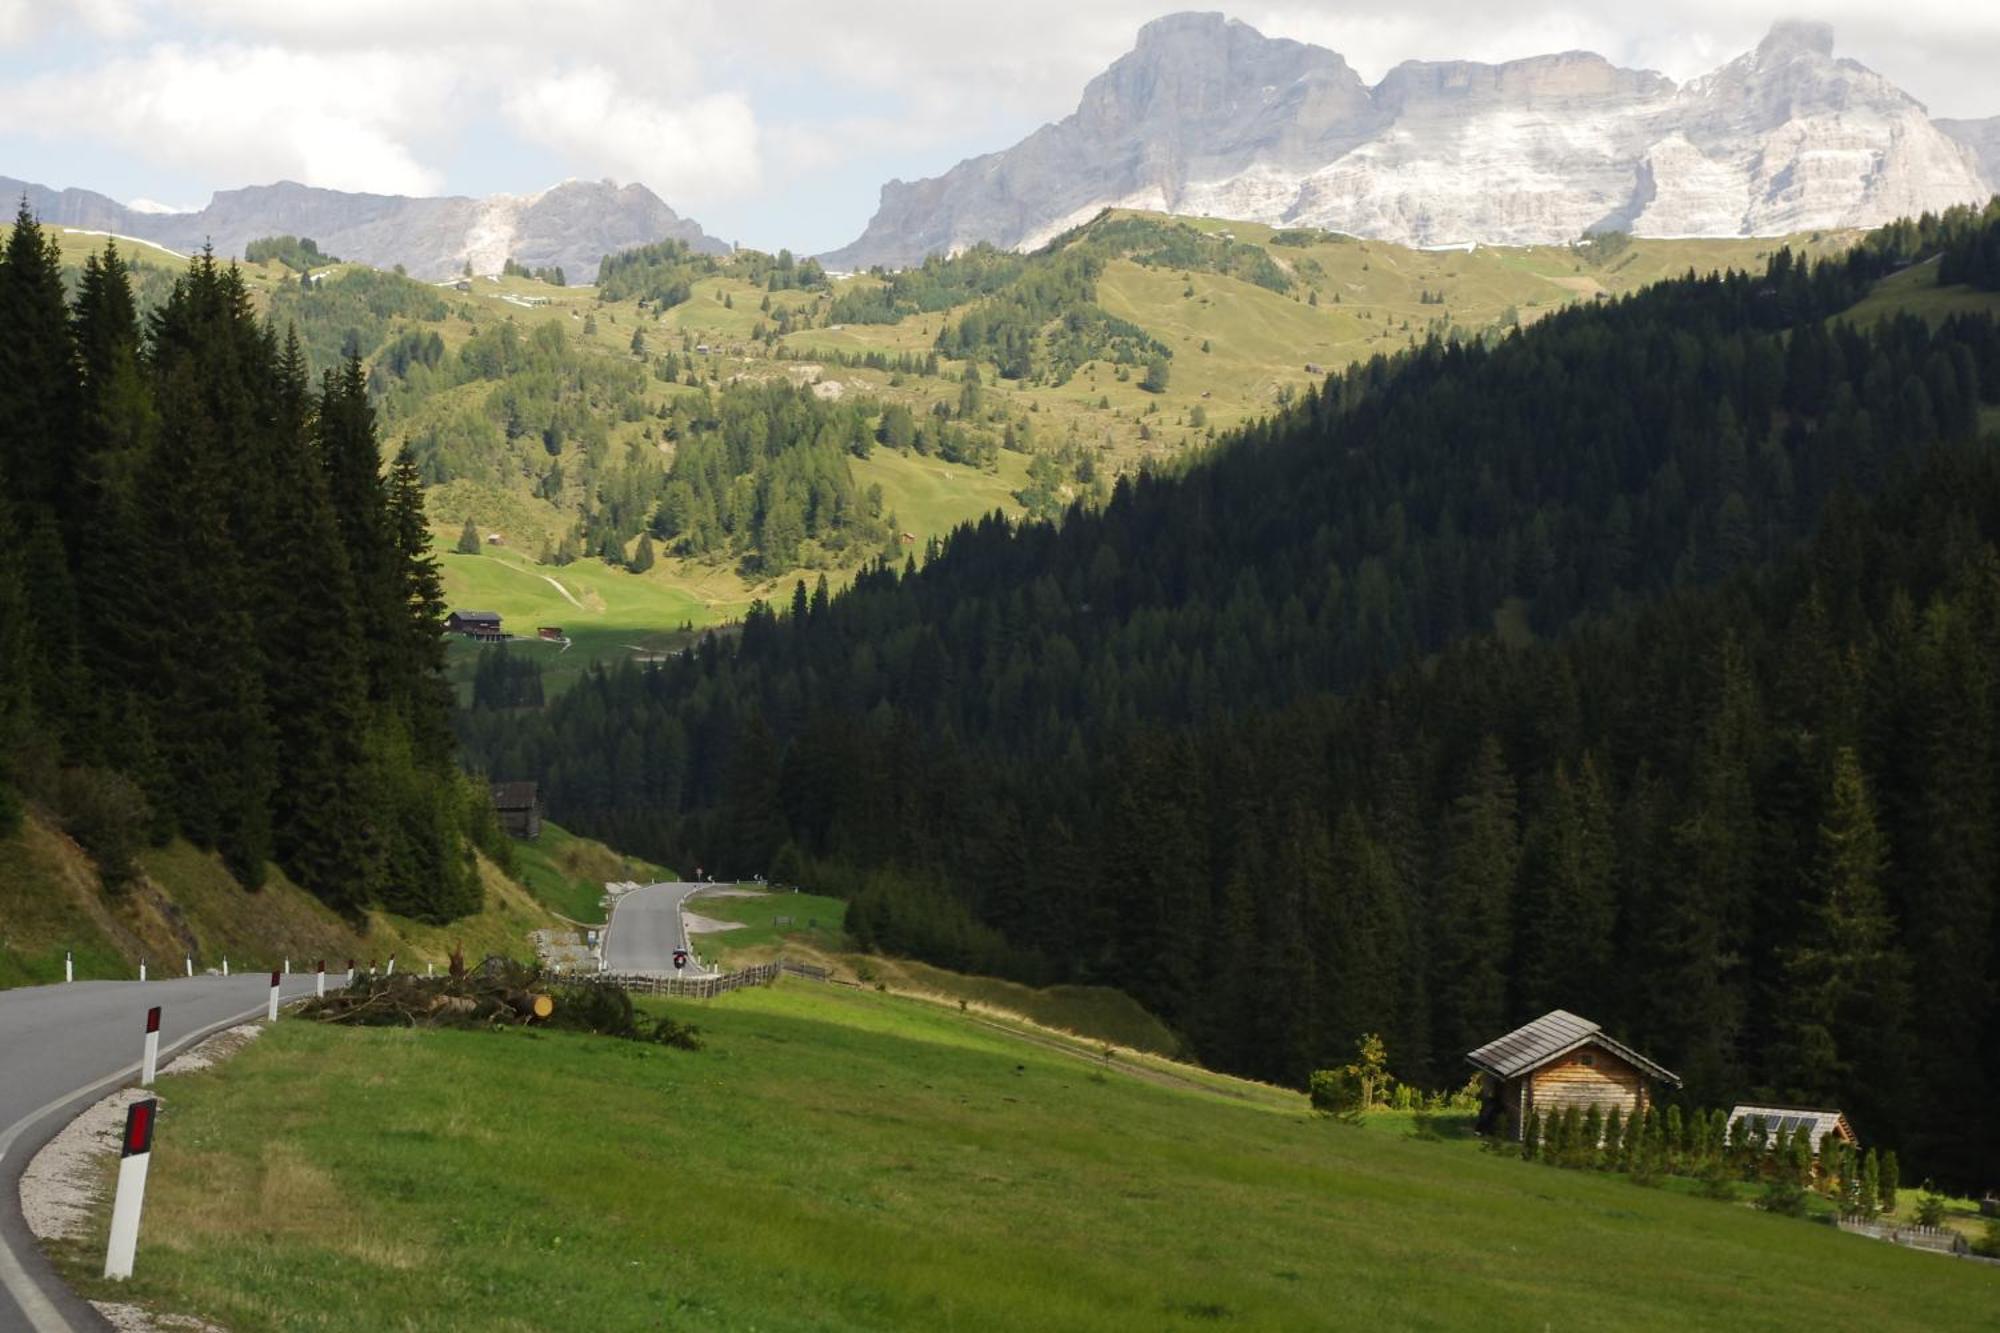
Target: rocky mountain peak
(1206, 116)
(1789, 39)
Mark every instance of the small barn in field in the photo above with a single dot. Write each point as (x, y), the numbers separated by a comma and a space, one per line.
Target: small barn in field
(1559, 1061)
(1788, 1120)
(519, 805)
(475, 624)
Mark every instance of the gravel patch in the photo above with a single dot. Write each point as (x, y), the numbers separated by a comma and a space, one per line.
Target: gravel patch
(707, 925)
(133, 1319)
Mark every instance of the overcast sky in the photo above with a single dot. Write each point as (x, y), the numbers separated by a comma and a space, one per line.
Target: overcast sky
(772, 122)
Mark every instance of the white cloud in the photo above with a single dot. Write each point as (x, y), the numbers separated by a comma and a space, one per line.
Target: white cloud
(693, 148)
(243, 114)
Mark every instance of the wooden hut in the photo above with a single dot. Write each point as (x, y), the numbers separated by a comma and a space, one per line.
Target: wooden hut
(483, 625)
(519, 805)
(1788, 1120)
(1559, 1061)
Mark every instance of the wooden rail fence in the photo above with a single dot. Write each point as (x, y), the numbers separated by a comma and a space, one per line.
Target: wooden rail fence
(702, 988)
(1941, 1239)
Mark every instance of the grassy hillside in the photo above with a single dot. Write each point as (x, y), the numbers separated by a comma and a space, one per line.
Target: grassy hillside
(567, 874)
(1915, 291)
(1239, 345)
(842, 1160)
(186, 903)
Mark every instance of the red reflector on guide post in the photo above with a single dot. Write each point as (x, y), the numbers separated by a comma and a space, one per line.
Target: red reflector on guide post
(274, 977)
(139, 1118)
(153, 1019)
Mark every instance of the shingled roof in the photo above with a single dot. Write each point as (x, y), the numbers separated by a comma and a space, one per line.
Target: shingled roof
(514, 796)
(1550, 1037)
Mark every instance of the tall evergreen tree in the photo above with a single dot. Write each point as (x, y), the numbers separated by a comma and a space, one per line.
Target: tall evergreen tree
(1472, 918)
(1846, 1008)
(1568, 911)
(205, 694)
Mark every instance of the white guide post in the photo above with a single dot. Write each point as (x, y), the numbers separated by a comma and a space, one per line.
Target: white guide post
(319, 979)
(131, 1197)
(428, 969)
(288, 967)
(392, 965)
(152, 1060)
(271, 1012)
(69, 966)
(190, 964)
(142, 969)
(350, 971)
(225, 965)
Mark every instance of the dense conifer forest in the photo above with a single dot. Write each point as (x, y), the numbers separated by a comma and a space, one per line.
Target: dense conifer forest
(1639, 664)
(218, 617)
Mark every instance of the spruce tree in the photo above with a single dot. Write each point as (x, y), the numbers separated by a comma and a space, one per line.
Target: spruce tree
(205, 694)
(1614, 1137)
(1471, 923)
(16, 701)
(419, 683)
(323, 823)
(37, 376)
(1531, 1140)
(1846, 999)
(116, 420)
(1568, 907)
(1890, 1180)
(468, 539)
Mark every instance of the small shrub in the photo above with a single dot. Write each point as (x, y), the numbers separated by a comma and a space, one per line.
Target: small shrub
(1930, 1207)
(108, 816)
(1783, 1197)
(1717, 1181)
(1337, 1093)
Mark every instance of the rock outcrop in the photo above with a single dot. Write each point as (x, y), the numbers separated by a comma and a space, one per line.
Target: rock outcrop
(1206, 116)
(1983, 138)
(571, 226)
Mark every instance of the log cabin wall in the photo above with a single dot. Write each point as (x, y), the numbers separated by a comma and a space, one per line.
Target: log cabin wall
(1584, 1078)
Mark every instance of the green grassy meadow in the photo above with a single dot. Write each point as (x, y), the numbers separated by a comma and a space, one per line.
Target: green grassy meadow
(843, 1160)
(1914, 291)
(814, 923)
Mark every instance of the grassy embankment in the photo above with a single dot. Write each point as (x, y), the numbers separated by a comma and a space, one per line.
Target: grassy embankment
(52, 901)
(567, 874)
(839, 1159)
(807, 928)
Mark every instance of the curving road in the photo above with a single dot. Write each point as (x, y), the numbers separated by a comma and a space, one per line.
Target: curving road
(61, 1047)
(645, 929)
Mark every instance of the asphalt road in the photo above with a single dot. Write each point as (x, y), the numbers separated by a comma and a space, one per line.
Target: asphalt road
(62, 1047)
(646, 928)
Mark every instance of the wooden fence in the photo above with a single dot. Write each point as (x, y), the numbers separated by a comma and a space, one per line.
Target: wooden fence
(1941, 1239)
(692, 988)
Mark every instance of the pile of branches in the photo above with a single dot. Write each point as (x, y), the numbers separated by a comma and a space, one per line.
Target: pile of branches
(499, 994)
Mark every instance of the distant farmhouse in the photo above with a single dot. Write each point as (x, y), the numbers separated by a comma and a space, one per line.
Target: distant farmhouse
(1788, 1120)
(1559, 1061)
(519, 805)
(481, 625)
